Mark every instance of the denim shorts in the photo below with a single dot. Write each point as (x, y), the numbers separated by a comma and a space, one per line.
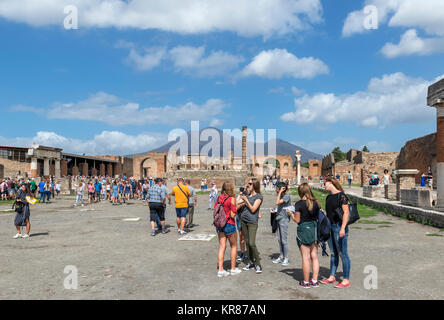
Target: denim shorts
(181, 212)
(229, 229)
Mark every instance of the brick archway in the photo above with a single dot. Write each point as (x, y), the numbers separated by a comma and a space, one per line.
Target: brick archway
(148, 168)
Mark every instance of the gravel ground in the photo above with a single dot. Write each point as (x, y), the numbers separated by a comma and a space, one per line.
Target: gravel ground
(121, 260)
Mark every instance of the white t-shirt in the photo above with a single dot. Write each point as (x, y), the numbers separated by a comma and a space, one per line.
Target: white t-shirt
(386, 179)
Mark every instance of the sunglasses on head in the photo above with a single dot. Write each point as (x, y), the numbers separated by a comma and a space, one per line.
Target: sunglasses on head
(250, 183)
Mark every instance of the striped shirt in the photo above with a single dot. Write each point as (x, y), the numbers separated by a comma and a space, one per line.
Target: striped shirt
(156, 194)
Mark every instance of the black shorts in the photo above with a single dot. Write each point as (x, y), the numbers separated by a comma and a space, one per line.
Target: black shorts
(157, 210)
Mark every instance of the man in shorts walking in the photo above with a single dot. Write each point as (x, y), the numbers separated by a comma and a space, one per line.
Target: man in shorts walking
(156, 200)
(181, 195)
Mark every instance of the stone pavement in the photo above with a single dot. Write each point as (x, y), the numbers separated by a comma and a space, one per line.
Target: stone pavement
(120, 260)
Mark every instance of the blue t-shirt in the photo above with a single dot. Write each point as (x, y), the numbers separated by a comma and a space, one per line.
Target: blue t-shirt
(42, 186)
(98, 186)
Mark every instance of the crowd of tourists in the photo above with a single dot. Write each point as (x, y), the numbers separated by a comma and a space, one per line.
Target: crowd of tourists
(243, 214)
(240, 217)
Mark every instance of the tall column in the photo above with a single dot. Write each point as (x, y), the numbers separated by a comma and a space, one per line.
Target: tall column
(298, 161)
(435, 99)
(57, 169)
(109, 170)
(244, 147)
(64, 168)
(34, 167)
(46, 167)
(102, 170)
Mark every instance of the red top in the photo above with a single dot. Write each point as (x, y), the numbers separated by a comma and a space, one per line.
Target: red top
(228, 207)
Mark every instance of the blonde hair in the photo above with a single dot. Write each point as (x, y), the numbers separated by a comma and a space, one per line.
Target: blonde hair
(304, 190)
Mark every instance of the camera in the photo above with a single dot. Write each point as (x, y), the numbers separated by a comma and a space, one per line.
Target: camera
(243, 191)
(281, 185)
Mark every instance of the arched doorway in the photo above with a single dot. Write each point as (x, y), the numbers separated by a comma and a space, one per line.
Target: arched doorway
(148, 168)
(271, 167)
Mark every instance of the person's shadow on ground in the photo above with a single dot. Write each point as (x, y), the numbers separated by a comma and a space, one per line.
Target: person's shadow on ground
(39, 234)
(298, 275)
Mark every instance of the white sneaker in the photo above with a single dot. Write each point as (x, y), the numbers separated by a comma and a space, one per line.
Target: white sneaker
(18, 235)
(286, 262)
(183, 233)
(25, 236)
(234, 272)
(278, 260)
(222, 274)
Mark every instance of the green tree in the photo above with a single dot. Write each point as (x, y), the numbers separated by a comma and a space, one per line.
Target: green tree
(339, 155)
(365, 149)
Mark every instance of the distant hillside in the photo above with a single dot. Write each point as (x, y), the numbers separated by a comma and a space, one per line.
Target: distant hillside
(282, 147)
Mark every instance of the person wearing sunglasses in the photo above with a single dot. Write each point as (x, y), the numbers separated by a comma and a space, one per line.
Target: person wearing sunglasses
(250, 209)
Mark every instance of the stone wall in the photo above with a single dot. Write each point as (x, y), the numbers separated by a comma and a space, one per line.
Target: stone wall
(314, 169)
(161, 164)
(12, 168)
(419, 154)
(218, 176)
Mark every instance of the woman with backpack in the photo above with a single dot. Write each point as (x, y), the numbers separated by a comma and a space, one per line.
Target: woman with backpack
(227, 201)
(337, 200)
(306, 215)
(249, 221)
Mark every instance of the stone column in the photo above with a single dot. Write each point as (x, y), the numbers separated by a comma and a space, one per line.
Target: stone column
(109, 170)
(244, 147)
(57, 170)
(34, 167)
(84, 169)
(75, 171)
(94, 172)
(435, 99)
(46, 167)
(405, 179)
(298, 161)
(102, 170)
(64, 168)
(117, 169)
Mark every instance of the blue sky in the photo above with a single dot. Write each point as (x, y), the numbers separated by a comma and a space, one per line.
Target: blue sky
(130, 74)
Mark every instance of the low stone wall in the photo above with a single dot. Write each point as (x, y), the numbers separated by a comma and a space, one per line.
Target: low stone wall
(390, 191)
(373, 191)
(425, 216)
(416, 198)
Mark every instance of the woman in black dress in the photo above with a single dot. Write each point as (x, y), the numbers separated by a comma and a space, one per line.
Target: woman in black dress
(23, 213)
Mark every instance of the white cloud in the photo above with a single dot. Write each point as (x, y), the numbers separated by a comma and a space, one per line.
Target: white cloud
(279, 63)
(147, 61)
(390, 100)
(245, 17)
(114, 111)
(106, 142)
(22, 108)
(424, 15)
(411, 44)
(193, 61)
(354, 23)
